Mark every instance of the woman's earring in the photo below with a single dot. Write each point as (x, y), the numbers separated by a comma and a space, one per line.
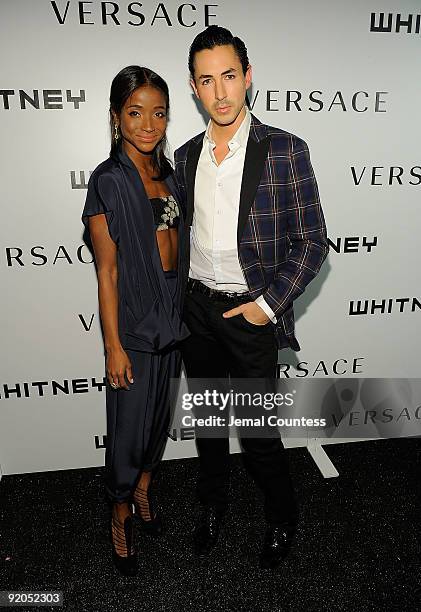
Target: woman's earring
(116, 134)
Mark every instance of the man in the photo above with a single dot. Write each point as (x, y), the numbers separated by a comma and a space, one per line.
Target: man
(257, 238)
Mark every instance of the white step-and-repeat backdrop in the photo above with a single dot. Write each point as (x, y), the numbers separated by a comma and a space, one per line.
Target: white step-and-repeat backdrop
(345, 76)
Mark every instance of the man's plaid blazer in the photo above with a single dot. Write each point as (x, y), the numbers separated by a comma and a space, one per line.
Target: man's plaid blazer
(281, 233)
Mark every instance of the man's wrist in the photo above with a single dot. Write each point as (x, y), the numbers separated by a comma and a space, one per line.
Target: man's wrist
(260, 301)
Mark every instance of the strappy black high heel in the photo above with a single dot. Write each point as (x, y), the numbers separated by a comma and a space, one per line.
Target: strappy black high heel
(126, 565)
(144, 511)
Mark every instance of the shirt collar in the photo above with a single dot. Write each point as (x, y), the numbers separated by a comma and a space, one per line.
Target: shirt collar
(240, 137)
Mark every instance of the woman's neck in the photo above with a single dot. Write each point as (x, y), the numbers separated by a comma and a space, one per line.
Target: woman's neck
(142, 161)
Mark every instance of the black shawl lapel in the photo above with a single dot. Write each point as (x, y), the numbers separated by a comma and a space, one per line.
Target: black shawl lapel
(256, 154)
(191, 167)
(173, 188)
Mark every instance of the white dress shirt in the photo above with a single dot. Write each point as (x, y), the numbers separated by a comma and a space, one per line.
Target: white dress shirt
(213, 253)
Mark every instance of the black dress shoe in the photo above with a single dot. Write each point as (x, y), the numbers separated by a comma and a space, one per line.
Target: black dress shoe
(276, 544)
(207, 530)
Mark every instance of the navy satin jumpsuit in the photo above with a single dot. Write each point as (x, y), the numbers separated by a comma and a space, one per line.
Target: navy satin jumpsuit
(149, 322)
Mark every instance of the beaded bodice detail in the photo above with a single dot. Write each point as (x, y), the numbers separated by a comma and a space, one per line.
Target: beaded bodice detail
(166, 212)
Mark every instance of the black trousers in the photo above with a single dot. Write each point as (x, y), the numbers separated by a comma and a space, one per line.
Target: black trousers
(218, 348)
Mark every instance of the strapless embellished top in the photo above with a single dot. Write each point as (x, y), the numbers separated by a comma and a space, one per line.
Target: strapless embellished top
(166, 212)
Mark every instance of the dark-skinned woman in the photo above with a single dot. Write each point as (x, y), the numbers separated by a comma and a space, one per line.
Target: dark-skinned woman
(135, 223)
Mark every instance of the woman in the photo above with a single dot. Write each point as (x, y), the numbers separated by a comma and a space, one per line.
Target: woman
(136, 229)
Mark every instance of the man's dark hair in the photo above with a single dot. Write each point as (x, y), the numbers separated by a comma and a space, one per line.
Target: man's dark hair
(215, 36)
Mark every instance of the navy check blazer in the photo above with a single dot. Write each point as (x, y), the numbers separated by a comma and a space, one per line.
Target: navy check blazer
(281, 232)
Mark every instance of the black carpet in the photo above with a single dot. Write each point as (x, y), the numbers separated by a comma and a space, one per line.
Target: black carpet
(357, 547)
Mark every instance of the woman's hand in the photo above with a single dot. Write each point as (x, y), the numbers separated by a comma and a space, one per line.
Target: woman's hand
(118, 368)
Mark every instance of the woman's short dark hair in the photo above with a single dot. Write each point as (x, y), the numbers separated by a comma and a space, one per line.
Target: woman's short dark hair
(215, 36)
(122, 87)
